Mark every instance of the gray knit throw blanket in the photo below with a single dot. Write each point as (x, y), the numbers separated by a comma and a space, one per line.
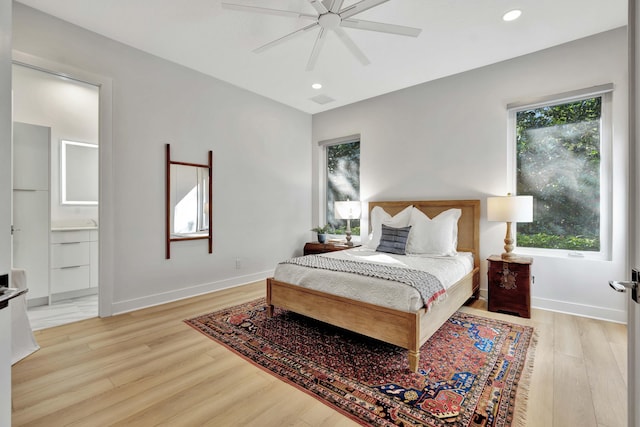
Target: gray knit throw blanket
(428, 285)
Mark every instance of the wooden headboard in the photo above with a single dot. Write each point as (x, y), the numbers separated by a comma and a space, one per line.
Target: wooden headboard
(468, 224)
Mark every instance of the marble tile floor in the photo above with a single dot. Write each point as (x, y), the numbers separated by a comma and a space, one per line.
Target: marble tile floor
(62, 312)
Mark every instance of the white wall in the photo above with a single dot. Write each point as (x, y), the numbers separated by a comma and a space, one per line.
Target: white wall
(261, 204)
(448, 139)
(70, 109)
(5, 205)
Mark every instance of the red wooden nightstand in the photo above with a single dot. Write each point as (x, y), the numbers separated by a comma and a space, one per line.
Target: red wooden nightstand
(509, 285)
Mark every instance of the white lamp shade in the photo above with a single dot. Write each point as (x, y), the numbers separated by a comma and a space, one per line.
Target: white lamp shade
(510, 208)
(347, 210)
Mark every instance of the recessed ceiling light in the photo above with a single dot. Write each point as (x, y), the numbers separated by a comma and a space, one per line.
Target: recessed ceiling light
(512, 15)
(316, 86)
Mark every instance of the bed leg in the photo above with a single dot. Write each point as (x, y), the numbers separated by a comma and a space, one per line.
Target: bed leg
(414, 358)
(269, 305)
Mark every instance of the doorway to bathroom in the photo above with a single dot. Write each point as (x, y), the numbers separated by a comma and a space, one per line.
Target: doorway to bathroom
(56, 194)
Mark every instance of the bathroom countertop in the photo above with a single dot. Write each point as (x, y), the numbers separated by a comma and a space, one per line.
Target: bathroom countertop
(89, 227)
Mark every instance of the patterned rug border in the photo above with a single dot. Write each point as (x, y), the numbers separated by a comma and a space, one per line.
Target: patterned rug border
(520, 400)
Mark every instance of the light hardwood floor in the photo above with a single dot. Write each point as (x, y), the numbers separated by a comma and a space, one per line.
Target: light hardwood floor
(149, 368)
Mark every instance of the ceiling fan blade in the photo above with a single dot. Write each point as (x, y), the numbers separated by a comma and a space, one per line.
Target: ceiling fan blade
(381, 27)
(318, 6)
(359, 7)
(316, 49)
(267, 11)
(355, 50)
(285, 38)
(336, 5)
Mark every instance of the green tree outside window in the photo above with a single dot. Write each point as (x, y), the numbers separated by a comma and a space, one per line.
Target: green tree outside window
(558, 163)
(343, 182)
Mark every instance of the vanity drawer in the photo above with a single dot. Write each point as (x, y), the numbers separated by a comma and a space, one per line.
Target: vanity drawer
(69, 279)
(70, 254)
(74, 260)
(71, 236)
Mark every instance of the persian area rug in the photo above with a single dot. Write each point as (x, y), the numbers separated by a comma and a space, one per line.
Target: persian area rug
(471, 370)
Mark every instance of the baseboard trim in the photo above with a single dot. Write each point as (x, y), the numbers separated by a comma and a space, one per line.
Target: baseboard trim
(37, 302)
(192, 291)
(61, 296)
(582, 310)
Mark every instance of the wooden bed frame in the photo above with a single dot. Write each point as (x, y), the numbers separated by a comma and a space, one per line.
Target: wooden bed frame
(409, 330)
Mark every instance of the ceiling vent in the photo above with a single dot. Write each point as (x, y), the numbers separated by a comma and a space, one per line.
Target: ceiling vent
(322, 99)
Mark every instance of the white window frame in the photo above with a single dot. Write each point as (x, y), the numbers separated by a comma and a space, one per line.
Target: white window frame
(323, 171)
(606, 166)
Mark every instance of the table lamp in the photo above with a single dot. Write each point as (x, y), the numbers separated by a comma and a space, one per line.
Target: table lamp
(510, 209)
(347, 210)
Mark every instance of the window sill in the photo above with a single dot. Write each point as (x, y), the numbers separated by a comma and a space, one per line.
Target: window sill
(563, 253)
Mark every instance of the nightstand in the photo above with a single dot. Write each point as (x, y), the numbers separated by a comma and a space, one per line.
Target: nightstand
(312, 248)
(509, 285)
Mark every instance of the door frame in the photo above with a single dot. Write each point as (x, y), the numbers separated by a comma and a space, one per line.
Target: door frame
(105, 132)
(633, 325)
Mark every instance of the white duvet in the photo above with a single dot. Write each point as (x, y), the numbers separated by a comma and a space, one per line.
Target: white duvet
(376, 291)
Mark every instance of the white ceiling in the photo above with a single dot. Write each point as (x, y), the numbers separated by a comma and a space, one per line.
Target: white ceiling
(457, 35)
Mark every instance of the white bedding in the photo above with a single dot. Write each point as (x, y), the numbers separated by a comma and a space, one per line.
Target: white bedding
(376, 291)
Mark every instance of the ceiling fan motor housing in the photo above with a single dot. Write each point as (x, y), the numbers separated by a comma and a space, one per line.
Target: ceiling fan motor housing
(329, 20)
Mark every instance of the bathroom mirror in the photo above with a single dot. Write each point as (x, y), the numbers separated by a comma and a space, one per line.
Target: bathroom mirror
(78, 173)
(188, 201)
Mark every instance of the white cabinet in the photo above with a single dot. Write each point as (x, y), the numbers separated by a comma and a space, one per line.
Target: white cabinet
(31, 208)
(93, 262)
(31, 241)
(31, 156)
(74, 265)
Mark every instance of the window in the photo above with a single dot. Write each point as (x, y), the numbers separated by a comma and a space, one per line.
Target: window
(342, 180)
(561, 159)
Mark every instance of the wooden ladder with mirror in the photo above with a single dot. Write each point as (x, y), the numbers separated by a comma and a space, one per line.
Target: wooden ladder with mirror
(188, 201)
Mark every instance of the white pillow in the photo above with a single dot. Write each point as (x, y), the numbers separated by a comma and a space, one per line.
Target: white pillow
(437, 236)
(379, 216)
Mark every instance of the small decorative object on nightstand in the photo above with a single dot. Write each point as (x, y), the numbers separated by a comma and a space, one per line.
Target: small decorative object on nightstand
(313, 248)
(509, 285)
(322, 233)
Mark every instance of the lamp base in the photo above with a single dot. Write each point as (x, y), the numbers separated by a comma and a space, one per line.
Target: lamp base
(508, 244)
(349, 242)
(348, 233)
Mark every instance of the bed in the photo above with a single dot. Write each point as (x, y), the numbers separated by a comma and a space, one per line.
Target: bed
(408, 329)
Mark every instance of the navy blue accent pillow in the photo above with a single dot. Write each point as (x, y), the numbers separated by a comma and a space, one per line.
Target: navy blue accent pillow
(393, 240)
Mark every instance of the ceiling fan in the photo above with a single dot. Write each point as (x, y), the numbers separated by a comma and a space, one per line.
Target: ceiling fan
(331, 16)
